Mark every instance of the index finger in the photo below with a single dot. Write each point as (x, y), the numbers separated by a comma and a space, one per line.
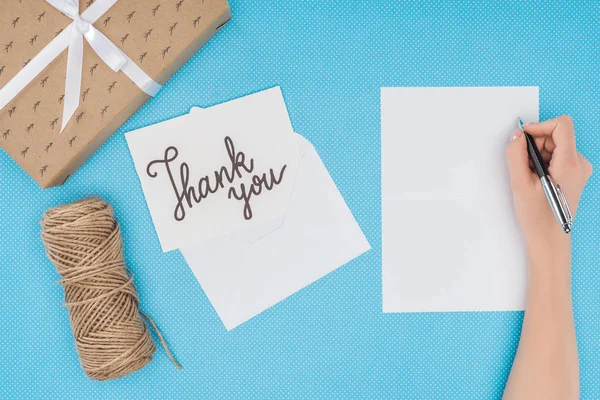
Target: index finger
(560, 129)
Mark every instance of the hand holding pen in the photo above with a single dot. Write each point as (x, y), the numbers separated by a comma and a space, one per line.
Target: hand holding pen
(556, 198)
(562, 164)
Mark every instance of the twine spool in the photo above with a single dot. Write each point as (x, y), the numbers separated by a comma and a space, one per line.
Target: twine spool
(83, 241)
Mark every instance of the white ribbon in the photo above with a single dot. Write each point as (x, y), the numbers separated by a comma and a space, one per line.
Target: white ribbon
(72, 37)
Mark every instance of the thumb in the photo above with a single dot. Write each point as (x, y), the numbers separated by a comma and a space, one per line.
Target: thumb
(521, 177)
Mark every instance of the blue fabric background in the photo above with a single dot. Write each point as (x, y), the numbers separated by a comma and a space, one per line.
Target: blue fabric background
(330, 340)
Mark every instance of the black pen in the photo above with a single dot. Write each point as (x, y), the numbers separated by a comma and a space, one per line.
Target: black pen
(554, 194)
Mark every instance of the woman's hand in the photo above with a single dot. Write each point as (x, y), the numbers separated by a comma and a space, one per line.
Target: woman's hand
(555, 139)
(546, 365)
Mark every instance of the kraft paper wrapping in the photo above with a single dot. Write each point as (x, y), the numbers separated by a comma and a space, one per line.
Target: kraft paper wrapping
(159, 35)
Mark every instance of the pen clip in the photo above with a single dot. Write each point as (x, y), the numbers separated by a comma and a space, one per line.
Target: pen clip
(564, 204)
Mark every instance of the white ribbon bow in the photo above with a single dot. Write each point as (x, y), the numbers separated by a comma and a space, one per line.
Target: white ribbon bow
(72, 37)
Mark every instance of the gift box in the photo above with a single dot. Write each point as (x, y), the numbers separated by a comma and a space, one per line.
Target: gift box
(154, 38)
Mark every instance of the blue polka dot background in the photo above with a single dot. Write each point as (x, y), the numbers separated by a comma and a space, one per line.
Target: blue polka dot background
(330, 340)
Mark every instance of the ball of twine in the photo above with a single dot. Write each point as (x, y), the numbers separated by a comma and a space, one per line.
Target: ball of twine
(83, 241)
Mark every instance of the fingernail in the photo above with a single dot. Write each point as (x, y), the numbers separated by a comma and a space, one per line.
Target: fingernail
(515, 134)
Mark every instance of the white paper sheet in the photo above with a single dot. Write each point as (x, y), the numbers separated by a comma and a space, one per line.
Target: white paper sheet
(319, 235)
(203, 177)
(450, 240)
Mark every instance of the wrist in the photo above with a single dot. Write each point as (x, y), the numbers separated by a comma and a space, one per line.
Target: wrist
(550, 279)
(549, 246)
(550, 260)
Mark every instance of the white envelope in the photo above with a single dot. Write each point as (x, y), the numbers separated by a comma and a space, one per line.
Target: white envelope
(245, 273)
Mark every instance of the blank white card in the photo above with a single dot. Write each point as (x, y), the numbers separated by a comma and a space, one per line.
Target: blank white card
(450, 239)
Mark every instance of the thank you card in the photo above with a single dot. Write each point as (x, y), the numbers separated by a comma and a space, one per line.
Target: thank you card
(201, 181)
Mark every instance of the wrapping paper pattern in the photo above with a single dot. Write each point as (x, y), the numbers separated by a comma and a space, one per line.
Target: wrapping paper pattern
(159, 35)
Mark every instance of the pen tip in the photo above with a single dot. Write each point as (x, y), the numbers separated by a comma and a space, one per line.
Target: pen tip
(520, 123)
